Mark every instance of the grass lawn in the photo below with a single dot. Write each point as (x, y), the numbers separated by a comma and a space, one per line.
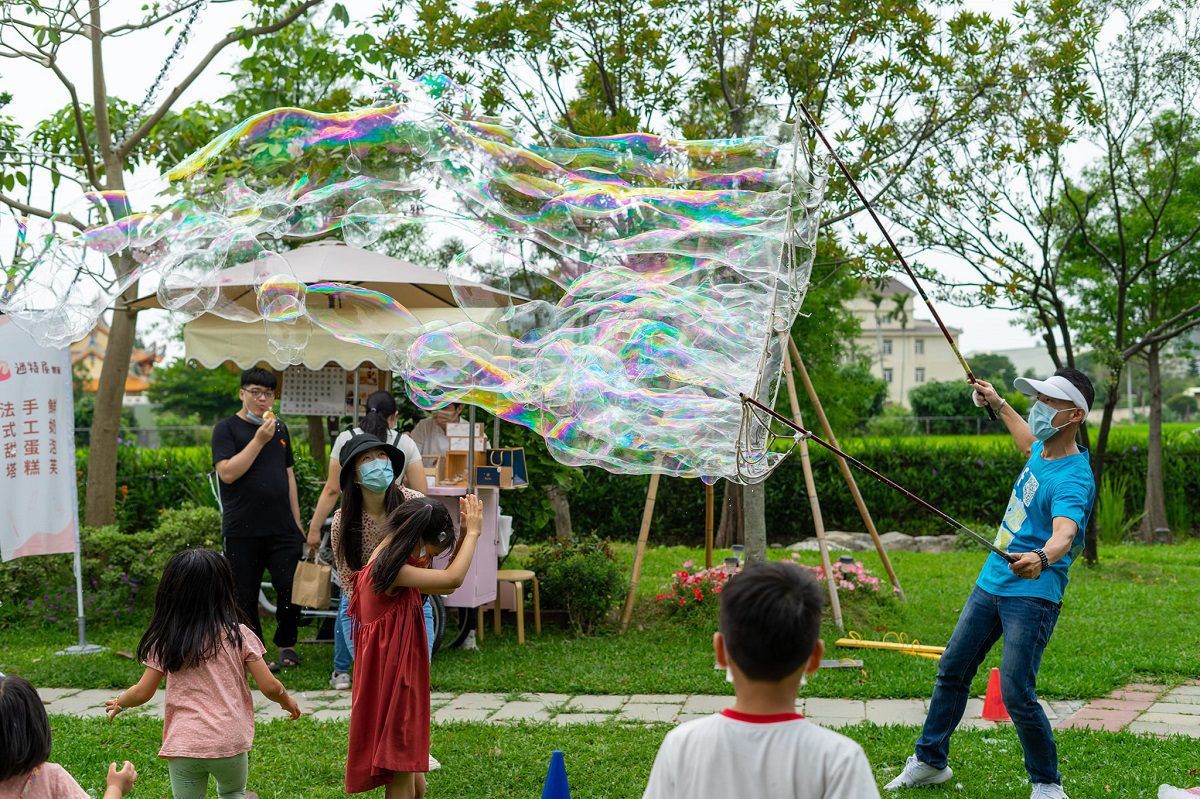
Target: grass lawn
(1123, 620)
(306, 758)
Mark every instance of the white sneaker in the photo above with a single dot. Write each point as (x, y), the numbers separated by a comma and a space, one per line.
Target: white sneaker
(1047, 790)
(916, 774)
(434, 765)
(340, 680)
(1171, 792)
(469, 643)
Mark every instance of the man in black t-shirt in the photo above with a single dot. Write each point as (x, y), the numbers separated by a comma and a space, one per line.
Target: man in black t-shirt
(260, 508)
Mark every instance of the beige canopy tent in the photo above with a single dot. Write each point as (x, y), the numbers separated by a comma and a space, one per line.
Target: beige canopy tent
(213, 340)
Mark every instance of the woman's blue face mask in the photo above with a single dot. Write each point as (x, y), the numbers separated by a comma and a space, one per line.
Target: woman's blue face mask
(376, 475)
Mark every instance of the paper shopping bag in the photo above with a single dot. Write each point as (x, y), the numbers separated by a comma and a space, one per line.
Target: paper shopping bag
(310, 586)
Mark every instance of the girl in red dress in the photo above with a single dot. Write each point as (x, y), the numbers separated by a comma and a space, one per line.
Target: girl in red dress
(389, 711)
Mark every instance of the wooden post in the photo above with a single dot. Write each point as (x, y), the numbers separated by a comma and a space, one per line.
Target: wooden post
(811, 484)
(640, 554)
(708, 525)
(845, 468)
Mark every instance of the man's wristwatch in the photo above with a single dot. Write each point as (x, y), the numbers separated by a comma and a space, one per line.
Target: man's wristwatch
(1042, 557)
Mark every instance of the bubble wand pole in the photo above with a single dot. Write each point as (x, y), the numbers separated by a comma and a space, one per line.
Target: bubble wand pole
(808, 434)
(899, 256)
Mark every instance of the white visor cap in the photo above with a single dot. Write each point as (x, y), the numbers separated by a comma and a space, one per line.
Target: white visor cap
(1057, 386)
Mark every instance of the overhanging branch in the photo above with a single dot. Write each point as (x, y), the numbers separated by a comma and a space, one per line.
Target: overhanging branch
(25, 208)
(125, 147)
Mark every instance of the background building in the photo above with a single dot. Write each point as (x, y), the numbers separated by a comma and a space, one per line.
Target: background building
(903, 350)
(87, 359)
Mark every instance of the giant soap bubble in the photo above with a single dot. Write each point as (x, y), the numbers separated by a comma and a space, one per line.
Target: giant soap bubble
(668, 267)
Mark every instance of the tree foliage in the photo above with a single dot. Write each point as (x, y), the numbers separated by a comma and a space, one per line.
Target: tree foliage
(994, 368)
(95, 146)
(185, 390)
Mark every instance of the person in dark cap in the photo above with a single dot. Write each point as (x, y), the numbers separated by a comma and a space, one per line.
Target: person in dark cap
(369, 493)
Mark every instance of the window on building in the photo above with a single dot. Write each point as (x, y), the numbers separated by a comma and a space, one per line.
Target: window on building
(919, 346)
(887, 346)
(887, 375)
(920, 374)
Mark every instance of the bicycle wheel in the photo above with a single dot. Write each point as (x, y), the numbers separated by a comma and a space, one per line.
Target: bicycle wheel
(459, 622)
(439, 619)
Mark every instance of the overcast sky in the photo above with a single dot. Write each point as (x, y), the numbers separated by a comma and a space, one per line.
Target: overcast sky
(133, 61)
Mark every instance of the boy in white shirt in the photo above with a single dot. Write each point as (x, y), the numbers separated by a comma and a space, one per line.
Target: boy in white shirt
(769, 639)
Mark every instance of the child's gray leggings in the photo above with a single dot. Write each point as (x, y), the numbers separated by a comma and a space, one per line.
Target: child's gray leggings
(189, 776)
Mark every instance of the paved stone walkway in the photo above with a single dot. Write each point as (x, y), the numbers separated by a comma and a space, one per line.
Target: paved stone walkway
(561, 708)
(1139, 708)
(1143, 708)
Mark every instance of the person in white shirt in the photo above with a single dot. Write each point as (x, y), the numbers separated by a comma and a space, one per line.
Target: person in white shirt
(379, 421)
(430, 433)
(769, 639)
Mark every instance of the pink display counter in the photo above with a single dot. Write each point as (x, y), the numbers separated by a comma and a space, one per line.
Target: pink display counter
(479, 588)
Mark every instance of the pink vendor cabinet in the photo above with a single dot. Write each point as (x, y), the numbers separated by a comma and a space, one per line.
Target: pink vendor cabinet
(479, 587)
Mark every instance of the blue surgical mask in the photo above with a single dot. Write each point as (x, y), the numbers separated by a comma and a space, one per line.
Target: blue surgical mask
(250, 417)
(1041, 421)
(376, 475)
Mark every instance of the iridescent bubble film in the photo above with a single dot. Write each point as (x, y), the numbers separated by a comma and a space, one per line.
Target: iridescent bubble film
(621, 291)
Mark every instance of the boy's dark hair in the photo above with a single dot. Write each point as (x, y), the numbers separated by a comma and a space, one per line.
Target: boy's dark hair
(1080, 381)
(258, 377)
(770, 619)
(195, 611)
(24, 728)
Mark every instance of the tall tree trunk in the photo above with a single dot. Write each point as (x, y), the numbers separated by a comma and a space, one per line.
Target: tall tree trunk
(1090, 549)
(106, 424)
(316, 445)
(754, 515)
(731, 527)
(1155, 517)
(562, 514)
(99, 508)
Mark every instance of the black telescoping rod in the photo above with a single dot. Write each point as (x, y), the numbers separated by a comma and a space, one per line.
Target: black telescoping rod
(903, 262)
(891, 483)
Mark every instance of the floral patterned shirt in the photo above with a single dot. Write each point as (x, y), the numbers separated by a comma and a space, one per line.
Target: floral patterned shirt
(372, 533)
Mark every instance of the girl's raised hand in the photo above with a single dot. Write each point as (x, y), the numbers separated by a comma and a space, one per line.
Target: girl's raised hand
(470, 514)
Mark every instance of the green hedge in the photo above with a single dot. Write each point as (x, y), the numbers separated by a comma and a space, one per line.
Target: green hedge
(120, 570)
(969, 477)
(152, 480)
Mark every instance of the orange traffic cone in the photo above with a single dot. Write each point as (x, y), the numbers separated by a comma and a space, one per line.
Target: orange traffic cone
(993, 702)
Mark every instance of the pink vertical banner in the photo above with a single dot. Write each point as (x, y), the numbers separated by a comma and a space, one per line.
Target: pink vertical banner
(38, 506)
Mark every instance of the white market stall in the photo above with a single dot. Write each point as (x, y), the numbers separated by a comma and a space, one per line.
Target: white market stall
(213, 341)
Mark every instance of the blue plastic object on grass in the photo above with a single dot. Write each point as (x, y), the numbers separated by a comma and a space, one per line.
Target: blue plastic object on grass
(556, 778)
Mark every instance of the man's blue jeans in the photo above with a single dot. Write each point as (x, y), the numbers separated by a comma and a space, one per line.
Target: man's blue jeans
(343, 634)
(1026, 624)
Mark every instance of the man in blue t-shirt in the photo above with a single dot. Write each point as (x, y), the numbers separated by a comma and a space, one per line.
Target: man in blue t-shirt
(1043, 527)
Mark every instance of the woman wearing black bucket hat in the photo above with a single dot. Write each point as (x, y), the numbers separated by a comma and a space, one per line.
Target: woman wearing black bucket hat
(369, 494)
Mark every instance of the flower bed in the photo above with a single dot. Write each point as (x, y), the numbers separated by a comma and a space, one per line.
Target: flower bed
(692, 591)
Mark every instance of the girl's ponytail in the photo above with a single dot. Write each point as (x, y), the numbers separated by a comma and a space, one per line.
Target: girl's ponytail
(415, 521)
(381, 406)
